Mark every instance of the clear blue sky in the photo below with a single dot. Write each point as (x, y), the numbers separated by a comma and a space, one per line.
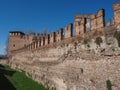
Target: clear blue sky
(35, 15)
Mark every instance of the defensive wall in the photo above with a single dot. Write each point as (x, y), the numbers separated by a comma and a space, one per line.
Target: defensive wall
(63, 61)
(92, 24)
(82, 23)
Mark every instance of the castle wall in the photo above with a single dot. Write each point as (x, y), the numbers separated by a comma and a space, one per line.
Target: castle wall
(68, 69)
(59, 62)
(79, 26)
(90, 26)
(16, 41)
(100, 19)
(116, 8)
(52, 37)
(47, 40)
(97, 21)
(108, 23)
(59, 35)
(68, 31)
(93, 22)
(42, 40)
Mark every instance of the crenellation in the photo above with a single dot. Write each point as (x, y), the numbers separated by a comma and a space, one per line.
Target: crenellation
(35, 45)
(108, 23)
(42, 40)
(93, 22)
(116, 6)
(100, 19)
(84, 25)
(100, 13)
(52, 37)
(59, 35)
(80, 25)
(113, 21)
(88, 25)
(39, 42)
(68, 31)
(47, 39)
(116, 9)
(31, 46)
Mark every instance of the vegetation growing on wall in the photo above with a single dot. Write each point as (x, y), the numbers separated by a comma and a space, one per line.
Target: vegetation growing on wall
(98, 40)
(81, 69)
(86, 41)
(109, 85)
(75, 45)
(117, 36)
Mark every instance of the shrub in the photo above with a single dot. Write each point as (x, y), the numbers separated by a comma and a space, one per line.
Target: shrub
(86, 41)
(117, 36)
(108, 43)
(98, 41)
(88, 46)
(109, 85)
(75, 45)
(81, 69)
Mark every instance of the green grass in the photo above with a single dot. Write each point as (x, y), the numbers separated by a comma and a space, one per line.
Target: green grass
(21, 82)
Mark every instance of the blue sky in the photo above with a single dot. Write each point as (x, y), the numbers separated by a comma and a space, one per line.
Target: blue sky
(51, 15)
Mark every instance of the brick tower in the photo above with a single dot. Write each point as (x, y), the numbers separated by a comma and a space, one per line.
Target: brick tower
(16, 41)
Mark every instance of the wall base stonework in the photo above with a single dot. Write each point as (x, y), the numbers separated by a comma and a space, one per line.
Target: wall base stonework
(71, 67)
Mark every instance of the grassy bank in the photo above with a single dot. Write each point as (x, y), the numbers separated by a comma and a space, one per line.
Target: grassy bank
(17, 80)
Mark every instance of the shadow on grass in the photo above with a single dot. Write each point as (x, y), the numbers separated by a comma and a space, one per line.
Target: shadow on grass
(5, 84)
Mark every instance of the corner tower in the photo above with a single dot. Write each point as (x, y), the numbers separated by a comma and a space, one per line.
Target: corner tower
(16, 41)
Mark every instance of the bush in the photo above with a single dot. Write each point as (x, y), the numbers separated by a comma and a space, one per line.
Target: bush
(109, 85)
(86, 41)
(81, 69)
(98, 41)
(88, 46)
(75, 45)
(117, 36)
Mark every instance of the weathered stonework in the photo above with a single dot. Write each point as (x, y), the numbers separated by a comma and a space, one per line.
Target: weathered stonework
(68, 31)
(68, 69)
(100, 19)
(52, 37)
(116, 8)
(79, 25)
(59, 35)
(85, 61)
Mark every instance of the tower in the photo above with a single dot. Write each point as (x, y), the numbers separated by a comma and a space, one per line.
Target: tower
(116, 9)
(16, 41)
(80, 25)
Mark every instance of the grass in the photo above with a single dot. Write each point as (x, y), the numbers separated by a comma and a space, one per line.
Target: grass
(18, 80)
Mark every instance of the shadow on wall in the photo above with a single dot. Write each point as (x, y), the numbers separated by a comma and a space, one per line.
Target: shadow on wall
(5, 84)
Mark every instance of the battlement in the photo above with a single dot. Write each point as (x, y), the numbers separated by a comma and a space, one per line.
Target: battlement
(116, 9)
(92, 23)
(59, 35)
(16, 33)
(68, 31)
(116, 6)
